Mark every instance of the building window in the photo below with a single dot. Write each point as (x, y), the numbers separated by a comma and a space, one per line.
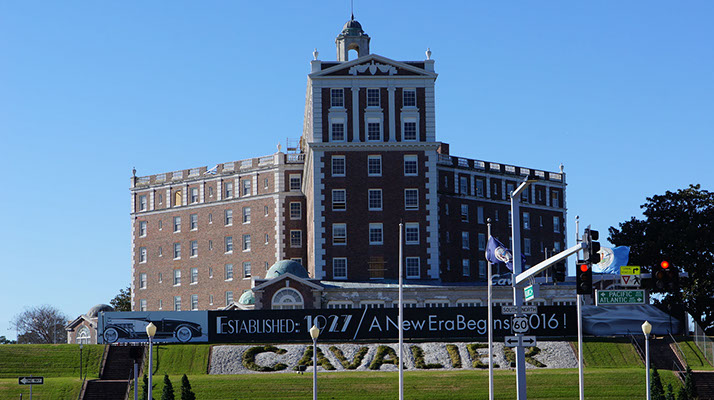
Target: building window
(337, 97)
(142, 254)
(339, 199)
(339, 268)
(228, 272)
(412, 266)
(178, 198)
(287, 299)
(177, 251)
(194, 302)
(177, 303)
(246, 215)
(337, 128)
(339, 234)
(161, 224)
(556, 247)
(142, 281)
(527, 246)
(177, 224)
(246, 269)
(210, 191)
(267, 238)
(464, 240)
(142, 228)
(161, 251)
(479, 188)
(410, 130)
(374, 199)
(142, 203)
(210, 218)
(194, 195)
(482, 268)
(465, 213)
(465, 267)
(479, 214)
(463, 185)
(193, 220)
(246, 187)
(194, 275)
(374, 130)
(524, 195)
(246, 242)
(481, 241)
(229, 190)
(411, 199)
(194, 248)
(266, 183)
(210, 245)
(372, 97)
(295, 210)
(555, 201)
(510, 188)
(409, 97)
(374, 165)
(510, 218)
(177, 277)
(338, 165)
(295, 238)
(295, 183)
(228, 240)
(526, 220)
(556, 224)
(142, 307)
(376, 234)
(210, 299)
(229, 297)
(412, 232)
(410, 165)
(265, 210)
(161, 198)
(228, 217)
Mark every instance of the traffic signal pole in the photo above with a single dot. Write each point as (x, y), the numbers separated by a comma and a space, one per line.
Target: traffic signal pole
(579, 301)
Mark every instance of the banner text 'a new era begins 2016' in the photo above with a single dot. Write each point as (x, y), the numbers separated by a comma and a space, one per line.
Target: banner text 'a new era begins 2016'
(379, 324)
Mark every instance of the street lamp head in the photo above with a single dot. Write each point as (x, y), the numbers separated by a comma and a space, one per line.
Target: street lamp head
(646, 328)
(314, 332)
(151, 329)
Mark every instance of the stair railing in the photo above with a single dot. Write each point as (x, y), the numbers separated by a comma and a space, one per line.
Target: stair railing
(637, 347)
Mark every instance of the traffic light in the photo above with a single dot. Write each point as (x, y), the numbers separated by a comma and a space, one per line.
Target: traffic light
(590, 252)
(559, 272)
(584, 278)
(665, 276)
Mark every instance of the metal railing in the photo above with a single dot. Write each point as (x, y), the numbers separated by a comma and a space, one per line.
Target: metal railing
(706, 346)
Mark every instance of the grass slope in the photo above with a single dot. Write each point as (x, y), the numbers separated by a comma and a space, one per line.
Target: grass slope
(48, 360)
(53, 388)
(624, 383)
(190, 359)
(694, 356)
(609, 353)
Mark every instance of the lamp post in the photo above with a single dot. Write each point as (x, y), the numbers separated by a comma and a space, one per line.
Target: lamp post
(314, 333)
(646, 329)
(150, 331)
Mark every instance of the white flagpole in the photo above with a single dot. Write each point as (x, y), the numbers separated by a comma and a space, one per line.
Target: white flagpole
(490, 321)
(401, 317)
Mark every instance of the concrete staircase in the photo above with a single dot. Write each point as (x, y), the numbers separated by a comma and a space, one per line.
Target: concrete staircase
(117, 371)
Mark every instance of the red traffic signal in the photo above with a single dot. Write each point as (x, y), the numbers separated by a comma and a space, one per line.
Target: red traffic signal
(584, 278)
(584, 267)
(664, 264)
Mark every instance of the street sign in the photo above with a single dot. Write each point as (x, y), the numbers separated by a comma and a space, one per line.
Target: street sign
(514, 341)
(630, 270)
(630, 277)
(513, 310)
(528, 292)
(620, 297)
(31, 380)
(520, 324)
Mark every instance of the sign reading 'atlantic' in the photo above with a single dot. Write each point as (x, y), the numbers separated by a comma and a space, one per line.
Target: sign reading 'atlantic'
(368, 324)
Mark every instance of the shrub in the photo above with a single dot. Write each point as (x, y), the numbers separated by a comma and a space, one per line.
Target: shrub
(186, 391)
(321, 359)
(418, 354)
(249, 358)
(385, 355)
(168, 392)
(356, 361)
(453, 351)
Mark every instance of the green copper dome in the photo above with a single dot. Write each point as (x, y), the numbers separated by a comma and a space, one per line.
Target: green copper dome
(284, 266)
(247, 298)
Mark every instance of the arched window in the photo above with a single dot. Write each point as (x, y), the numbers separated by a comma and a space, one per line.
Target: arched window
(287, 299)
(83, 336)
(177, 198)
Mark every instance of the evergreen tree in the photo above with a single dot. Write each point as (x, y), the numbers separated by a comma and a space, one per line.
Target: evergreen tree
(168, 392)
(689, 385)
(186, 392)
(670, 392)
(682, 395)
(145, 388)
(656, 389)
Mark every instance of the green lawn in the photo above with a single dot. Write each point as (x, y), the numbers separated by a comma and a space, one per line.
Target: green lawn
(53, 388)
(190, 359)
(609, 353)
(625, 383)
(694, 356)
(48, 360)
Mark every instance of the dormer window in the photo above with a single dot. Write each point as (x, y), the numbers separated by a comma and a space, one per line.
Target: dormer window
(337, 98)
(372, 97)
(409, 97)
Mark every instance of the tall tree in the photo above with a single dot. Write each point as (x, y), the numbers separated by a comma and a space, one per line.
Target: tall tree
(40, 324)
(678, 227)
(122, 301)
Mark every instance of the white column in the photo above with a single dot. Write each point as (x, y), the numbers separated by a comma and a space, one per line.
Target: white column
(392, 114)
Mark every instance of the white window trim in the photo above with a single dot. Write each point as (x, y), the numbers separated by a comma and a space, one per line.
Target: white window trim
(333, 234)
(381, 200)
(379, 226)
(374, 157)
(332, 167)
(342, 121)
(418, 267)
(411, 225)
(333, 200)
(373, 117)
(333, 268)
(416, 162)
(405, 199)
(291, 210)
(291, 239)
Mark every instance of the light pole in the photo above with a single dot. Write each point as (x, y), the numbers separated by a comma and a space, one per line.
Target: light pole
(150, 331)
(646, 329)
(314, 333)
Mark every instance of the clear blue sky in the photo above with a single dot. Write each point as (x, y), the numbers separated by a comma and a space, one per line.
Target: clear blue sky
(622, 93)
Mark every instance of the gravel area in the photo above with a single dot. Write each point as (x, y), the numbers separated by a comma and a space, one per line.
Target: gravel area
(229, 359)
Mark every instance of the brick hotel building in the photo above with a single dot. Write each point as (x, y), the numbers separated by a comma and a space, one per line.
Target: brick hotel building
(368, 158)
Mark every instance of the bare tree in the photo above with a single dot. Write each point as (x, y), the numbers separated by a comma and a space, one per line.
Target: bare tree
(40, 324)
